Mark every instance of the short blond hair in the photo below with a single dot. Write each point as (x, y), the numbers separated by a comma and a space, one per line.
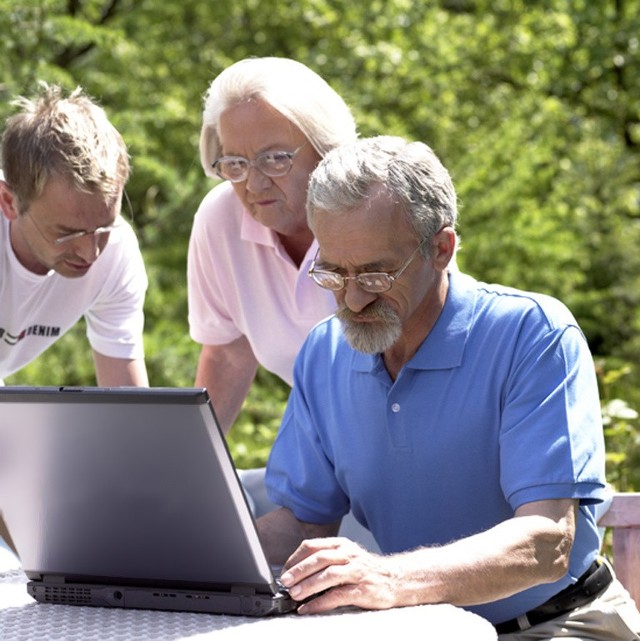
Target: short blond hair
(57, 136)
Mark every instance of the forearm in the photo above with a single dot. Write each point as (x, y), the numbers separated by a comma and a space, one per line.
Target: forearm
(281, 533)
(515, 555)
(120, 372)
(527, 550)
(227, 372)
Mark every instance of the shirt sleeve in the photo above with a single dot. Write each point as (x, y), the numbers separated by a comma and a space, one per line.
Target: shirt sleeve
(115, 321)
(552, 443)
(299, 474)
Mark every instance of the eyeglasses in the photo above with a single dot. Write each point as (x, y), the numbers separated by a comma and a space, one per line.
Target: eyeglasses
(270, 163)
(61, 240)
(371, 282)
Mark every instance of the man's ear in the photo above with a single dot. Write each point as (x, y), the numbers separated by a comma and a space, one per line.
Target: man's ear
(444, 247)
(8, 201)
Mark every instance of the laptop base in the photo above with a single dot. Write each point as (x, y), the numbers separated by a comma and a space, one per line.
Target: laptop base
(114, 596)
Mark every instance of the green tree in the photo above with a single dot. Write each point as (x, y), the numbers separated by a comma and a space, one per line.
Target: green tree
(534, 106)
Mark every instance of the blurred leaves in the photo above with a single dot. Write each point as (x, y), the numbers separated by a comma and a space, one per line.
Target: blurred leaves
(534, 107)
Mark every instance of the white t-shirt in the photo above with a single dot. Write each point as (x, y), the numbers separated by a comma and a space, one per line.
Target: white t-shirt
(242, 282)
(37, 310)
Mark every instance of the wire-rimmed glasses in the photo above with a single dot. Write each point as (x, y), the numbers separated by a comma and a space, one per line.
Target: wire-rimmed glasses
(371, 282)
(271, 163)
(66, 238)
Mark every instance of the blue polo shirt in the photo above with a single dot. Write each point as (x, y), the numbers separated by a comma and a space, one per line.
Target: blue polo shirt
(499, 407)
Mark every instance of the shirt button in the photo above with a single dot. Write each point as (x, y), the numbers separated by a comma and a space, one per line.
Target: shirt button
(395, 408)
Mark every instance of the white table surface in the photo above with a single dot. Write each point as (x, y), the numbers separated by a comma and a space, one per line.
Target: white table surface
(22, 619)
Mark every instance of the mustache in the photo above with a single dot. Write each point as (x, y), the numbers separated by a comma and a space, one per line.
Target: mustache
(377, 310)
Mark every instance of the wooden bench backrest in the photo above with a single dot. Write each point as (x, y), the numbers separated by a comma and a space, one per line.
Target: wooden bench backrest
(624, 518)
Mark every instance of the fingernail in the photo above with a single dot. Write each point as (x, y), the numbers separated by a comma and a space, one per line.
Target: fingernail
(286, 578)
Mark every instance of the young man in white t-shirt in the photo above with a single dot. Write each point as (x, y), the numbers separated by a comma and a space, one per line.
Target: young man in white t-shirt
(65, 252)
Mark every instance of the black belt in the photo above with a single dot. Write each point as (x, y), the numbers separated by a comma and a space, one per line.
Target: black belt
(584, 590)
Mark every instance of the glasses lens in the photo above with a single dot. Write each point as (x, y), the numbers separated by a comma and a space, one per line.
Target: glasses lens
(274, 163)
(233, 169)
(105, 230)
(81, 234)
(328, 280)
(374, 282)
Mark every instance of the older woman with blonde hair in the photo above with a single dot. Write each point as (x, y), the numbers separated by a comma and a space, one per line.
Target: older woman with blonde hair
(267, 122)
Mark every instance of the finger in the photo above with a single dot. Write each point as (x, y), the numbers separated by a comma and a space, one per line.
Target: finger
(370, 585)
(324, 575)
(314, 584)
(309, 547)
(341, 596)
(310, 559)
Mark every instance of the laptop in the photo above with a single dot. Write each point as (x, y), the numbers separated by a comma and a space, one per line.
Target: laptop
(128, 497)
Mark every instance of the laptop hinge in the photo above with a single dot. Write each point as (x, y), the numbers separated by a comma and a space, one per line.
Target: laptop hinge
(53, 578)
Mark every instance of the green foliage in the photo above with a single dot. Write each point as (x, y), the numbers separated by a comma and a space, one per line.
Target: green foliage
(534, 107)
(621, 430)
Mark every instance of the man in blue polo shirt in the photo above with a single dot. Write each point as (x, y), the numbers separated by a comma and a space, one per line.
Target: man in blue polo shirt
(459, 421)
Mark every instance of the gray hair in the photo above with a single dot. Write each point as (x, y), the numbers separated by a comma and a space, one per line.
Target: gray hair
(291, 88)
(69, 137)
(410, 172)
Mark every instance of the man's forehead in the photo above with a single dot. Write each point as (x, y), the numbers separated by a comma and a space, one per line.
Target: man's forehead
(369, 249)
(62, 199)
(378, 218)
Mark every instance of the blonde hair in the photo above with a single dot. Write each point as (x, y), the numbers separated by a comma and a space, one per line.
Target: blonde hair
(69, 137)
(292, 89)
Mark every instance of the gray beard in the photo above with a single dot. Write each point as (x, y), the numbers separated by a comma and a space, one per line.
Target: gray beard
(371, 338)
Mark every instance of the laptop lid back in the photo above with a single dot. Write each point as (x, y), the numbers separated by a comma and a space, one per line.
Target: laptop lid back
(125, 486)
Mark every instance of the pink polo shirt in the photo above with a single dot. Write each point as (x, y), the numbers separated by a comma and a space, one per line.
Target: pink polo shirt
(242, 282)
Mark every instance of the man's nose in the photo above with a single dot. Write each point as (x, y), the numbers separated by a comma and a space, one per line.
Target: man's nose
(89, 247)
(355, 298)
